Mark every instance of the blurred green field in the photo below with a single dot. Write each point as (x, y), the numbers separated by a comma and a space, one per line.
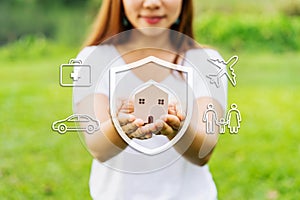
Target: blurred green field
(261, 162)
(37, 163)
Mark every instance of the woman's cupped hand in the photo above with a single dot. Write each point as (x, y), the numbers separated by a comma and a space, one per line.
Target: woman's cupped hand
(134, 127)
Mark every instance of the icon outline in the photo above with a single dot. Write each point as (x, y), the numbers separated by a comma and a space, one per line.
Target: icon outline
(233, 110)
(222, 66)
(77, 67)
(210, 125)
(149, 59)
(224, 121)
(61, 127)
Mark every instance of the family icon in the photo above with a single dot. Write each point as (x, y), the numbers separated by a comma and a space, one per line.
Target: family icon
(232, 120)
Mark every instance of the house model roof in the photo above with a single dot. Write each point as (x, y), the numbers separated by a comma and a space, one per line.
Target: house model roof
(151, 86)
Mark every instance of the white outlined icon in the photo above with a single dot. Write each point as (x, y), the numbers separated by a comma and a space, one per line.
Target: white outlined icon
(188, 96)
(222, 124)
(71, 123)
(222, 66)
(75, 74)
(232, 120)
(210, 118)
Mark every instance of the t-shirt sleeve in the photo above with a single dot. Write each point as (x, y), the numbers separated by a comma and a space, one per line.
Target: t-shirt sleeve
(98, 58)
(103, 86)
(85, 52)
(80, 92)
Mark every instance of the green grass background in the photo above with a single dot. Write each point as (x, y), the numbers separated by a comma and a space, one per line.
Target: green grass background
(260, 162)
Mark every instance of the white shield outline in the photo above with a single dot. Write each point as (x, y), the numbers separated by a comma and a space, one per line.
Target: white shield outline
(112, 80)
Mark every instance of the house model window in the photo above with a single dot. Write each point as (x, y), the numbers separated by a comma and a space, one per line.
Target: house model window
(141, 101)
(160, 101)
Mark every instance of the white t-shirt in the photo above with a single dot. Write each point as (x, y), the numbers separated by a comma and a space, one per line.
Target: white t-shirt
(179, 179)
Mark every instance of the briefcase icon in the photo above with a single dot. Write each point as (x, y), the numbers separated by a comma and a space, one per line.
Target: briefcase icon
(75, 74)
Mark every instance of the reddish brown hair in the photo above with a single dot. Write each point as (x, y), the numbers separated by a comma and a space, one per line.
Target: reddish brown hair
(110, 21)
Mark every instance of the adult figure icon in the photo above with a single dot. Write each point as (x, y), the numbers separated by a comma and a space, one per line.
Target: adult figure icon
(211, 119)
(234, 119)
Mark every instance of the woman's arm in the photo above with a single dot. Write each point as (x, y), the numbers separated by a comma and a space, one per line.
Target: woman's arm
(195, 145)
(199, 152)
(106, 142)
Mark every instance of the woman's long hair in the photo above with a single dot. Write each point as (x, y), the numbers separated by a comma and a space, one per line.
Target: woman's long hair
(110, 21)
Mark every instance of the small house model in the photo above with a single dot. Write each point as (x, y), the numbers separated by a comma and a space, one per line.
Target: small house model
(150, 103)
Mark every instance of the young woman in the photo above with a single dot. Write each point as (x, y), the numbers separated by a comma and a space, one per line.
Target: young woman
(160, 28)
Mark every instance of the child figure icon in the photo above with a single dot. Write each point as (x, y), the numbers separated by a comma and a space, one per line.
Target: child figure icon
(222, 124)
(232, 120)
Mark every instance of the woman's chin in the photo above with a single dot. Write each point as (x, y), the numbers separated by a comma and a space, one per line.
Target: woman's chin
(152, 31)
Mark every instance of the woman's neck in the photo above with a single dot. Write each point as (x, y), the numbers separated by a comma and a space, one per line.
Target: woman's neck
(140, 46)
(139, 40)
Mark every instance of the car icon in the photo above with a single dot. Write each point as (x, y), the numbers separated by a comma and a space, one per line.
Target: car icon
(72, 122)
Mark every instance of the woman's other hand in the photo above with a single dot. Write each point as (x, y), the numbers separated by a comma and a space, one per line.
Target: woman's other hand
(172, 121)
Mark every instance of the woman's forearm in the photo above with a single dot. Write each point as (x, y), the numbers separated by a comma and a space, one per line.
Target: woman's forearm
(105, 143)
(201, 147)
(196, 145)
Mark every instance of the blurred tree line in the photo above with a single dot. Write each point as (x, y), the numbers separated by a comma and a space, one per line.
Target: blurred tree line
(44, 3)
(54, 19)
(68, 22)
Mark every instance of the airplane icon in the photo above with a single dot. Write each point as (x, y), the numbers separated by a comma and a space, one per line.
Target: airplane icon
(222, 66)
